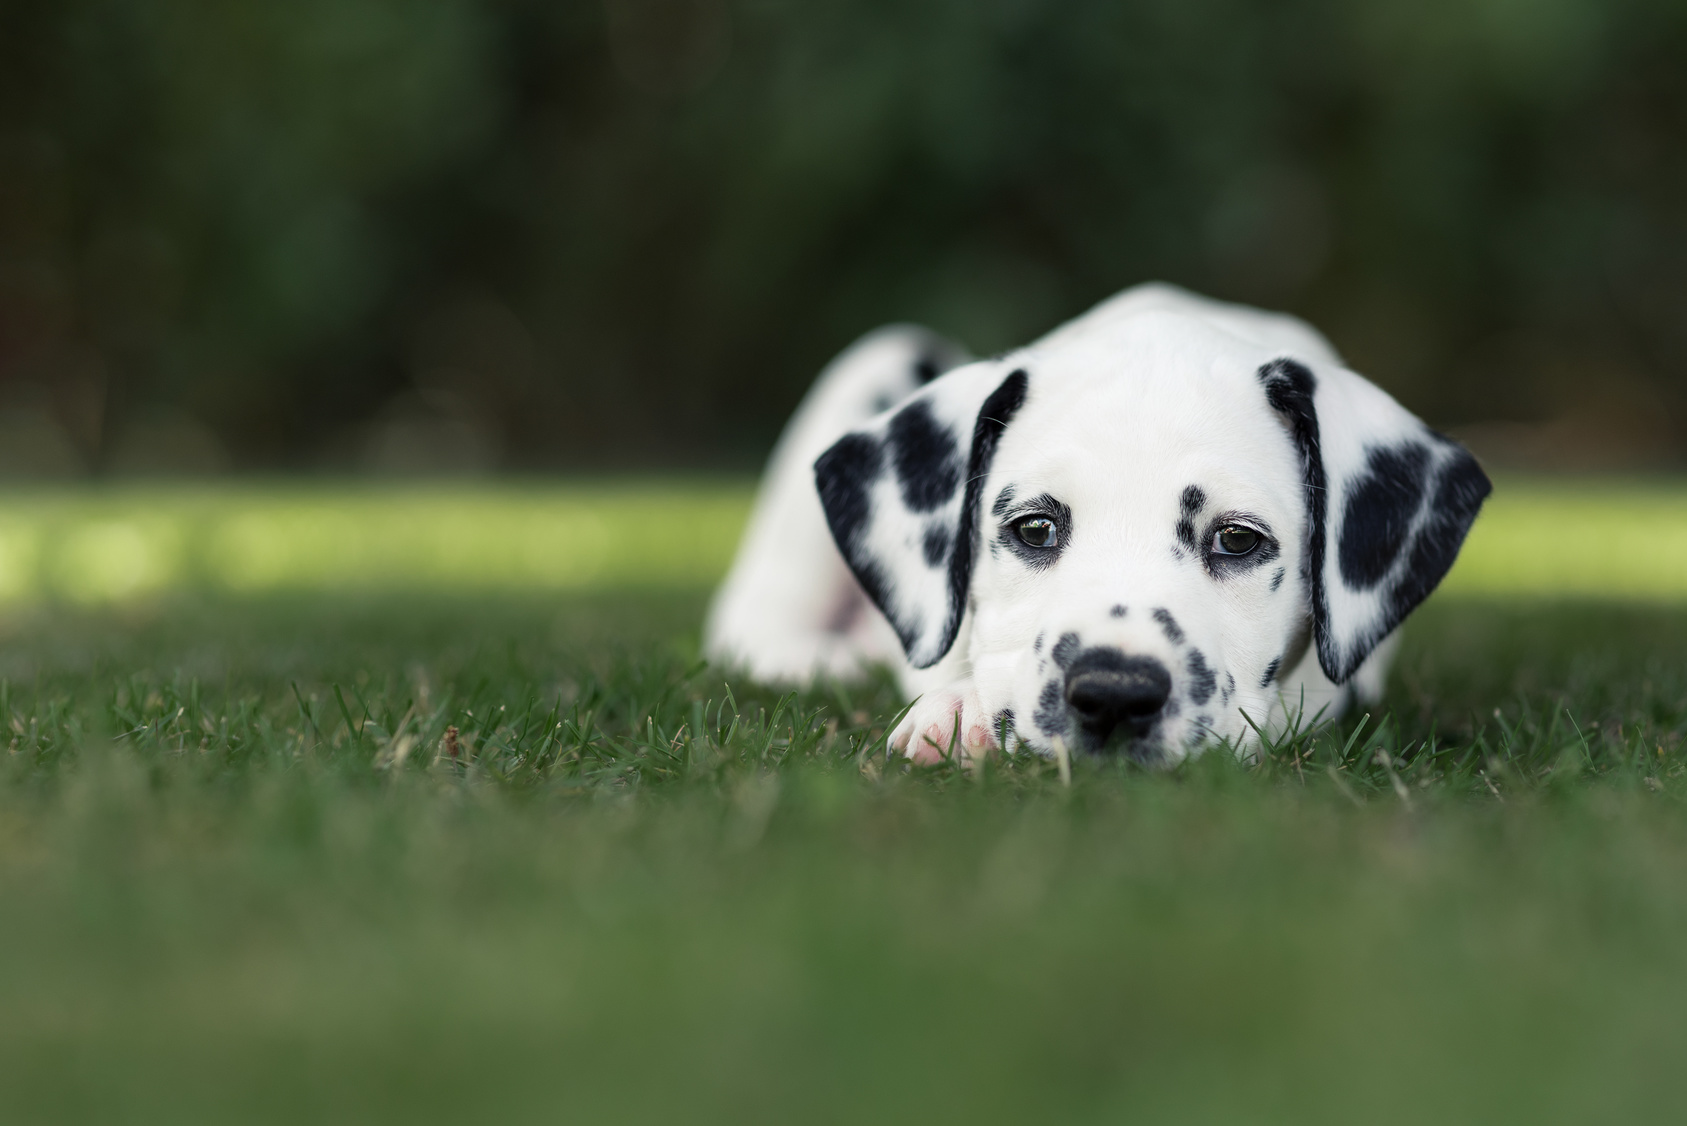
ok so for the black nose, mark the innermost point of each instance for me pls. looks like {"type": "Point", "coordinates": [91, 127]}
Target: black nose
{"type": "Point", "coordinates": [1109, 692]}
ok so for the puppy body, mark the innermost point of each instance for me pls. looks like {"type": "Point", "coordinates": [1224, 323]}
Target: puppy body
{"type": "Point", "coordinates": [1165, 519]}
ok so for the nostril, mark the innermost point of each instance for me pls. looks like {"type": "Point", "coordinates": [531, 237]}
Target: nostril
{"type": "Point", "coordinates": [1106, 689]}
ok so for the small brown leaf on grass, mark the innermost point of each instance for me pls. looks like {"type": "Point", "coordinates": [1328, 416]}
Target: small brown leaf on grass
{"type": "Point", "coordinates": [448, 746]}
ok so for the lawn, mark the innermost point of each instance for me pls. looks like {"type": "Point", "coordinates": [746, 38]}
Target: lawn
{"type": "Point", "coordinates": [353, 805]}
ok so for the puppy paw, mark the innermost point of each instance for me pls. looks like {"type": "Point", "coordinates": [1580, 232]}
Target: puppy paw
{"type": "Point", "coordinates": [945, 723]}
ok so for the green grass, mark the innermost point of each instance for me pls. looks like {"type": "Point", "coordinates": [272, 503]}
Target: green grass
{"type": "Point", "coordinates": [1597, 538]}
{"type": "Point", "coordinates": [125, 543]}
{"type": "Point", "coordinates": [242, 880]}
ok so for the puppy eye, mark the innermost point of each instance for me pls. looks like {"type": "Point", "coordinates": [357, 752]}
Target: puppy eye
{"type": "Point", "coordinates": [1234, 539]}
{"type": "Point", "coordinates": [1037, 531]}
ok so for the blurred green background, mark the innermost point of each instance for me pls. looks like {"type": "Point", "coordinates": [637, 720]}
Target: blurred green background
{"type": "Point", "coordinates": [333, 798]}
{"type": "Point", "coordinates": [472, 235]}
{"type": "Point", "coordinates": [1612, 539]}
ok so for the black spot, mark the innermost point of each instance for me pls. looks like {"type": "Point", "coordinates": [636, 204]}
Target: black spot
{"type": "Point", "coordinates": [1051, 710]}
{"type": "Point", "coordinates": [1193, 501]}
{"type": "Point", "coordinates": [844, 475]}
{"type": "Point", "coordinates": [1229, 686]}
{"type": "Point", "coordinates": [1459, 493]}
{"type": "Point", "coordinates": [1038, 646]}
{"type": "Point", "coordinates": [1004, 501]}
{"type": "Point", "coordinates": [1003, 726]}
{"type": "Point", "coordinates": [1116, 612]}
{"type": "Point", "coordinates": [1277, 579]}
{"type": "Point", "coordinates": [1270, 672]}
{"type": "Point", "coordinates": [1202, 681]}
{"type": "Point", "coordinates": [927, 460]}
{"type": "Point", "coordinates": [937, 543]}
{"type": "Point", "coordinates": [927, 368]}
{"type": "Point", "coordinates": [1065, 649]}
{"type": "Point", "coordinates": [1378, 515]}
{"type": "Point", "coordinates": [882, 403]}
{"type": "Point", "coordinates": [1169, 626]}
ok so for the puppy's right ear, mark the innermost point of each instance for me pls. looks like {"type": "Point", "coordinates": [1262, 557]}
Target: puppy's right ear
{"type": "Point", "coordinates": [901, 496]}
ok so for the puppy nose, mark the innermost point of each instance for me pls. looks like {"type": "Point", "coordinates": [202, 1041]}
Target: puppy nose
{"type": "Point", "coordinates": [1108, 691]}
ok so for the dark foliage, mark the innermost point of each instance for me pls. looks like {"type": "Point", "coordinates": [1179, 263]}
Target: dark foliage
{"type": "Point", "coordinates": [510, 232]}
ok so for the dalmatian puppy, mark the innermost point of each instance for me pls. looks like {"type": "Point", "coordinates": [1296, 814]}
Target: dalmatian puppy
{"type": "Point", "coordinates": [1164, 523]}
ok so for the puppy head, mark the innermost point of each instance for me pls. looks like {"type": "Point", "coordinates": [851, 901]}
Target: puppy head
{"type": "Point", "coordinates": [1146, 526]}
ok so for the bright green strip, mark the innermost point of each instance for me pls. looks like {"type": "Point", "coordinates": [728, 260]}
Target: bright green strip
{"type": "Point", "coordinates": [1595, 539]}
{"type": "Point", "coordinates": [100, 546]}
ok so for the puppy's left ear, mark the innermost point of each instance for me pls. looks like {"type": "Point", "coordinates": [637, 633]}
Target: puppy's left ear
{"type": "Point", "coordinates": [901, 496]}
{"type": "Point", "coordinates": [1389, 502]}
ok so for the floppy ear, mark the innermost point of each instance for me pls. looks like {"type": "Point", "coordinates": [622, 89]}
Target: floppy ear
{"type": "Point", "coordinates": [901, 498]}
{"type": "Point", "coordinates": [1389, 501]}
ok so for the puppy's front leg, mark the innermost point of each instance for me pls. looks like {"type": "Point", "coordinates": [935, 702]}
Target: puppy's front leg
{"type": "Point", "coordinates": [945, 722]}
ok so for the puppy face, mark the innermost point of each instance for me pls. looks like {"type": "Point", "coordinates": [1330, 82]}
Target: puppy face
{"type": "Point", "coordinates": [1140, 576]}
{"type": "Point", "coordinates": [1135, 532]}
